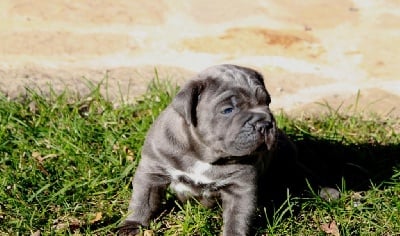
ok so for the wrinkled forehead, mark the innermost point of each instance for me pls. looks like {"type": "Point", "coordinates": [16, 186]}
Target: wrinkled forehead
{"type": "Point", "coordinates": [230, 75]}
{"type": "Point", "coordinates": [228, 80]}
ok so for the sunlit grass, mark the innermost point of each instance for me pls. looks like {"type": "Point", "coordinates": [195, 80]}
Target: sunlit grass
{"type": "Point", "coordinates": [66, 163]}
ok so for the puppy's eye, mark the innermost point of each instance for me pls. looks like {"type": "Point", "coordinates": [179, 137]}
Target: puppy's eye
{"type": "Point", "coordinates": [227, 110]}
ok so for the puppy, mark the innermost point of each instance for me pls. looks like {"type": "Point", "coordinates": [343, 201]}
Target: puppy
{"type": "Point", "coordinates": [213, 142]}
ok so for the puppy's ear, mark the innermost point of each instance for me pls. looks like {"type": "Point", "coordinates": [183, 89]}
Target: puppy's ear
{"type": "Point", "coordinates": [256, 76]}
{"type": "Point", "coordinates": [187, 99]}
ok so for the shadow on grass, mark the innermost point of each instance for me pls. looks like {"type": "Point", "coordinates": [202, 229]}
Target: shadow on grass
{"type": "Point", "coordinates": [359, 165]}
{"type": "Point", "coordinates": [354, 167]}
{"type": "Point", "coordinates": [333, 164]}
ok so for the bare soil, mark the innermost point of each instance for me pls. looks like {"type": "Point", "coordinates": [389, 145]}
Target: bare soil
{"type": "Point", "coordinates": [339, 53]}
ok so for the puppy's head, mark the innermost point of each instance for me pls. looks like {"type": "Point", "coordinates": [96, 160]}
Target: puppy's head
{"type": "Point", "coordinates": [227, 107]}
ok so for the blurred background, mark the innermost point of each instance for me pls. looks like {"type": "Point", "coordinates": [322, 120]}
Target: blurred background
{"type": "Point", "coordinates": [342, 53]}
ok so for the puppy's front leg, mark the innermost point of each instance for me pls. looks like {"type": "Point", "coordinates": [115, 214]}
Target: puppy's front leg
{"type": "Point", "coordinates": [148, 189]}
{"type": "Point", "coordinates": [239, 205]}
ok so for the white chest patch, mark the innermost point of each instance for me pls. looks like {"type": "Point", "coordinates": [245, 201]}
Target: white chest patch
{"type": "Point", "coordinates": [197, 175]}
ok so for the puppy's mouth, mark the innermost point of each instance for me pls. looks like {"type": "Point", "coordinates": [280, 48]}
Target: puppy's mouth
{"type": "Point", "coordinates": [267, 129]}
{"type": "Point", "coordinates": [259, 137]}
{"type": "Point", "coordinates": [264, 140]}
{"type": "Point", "coordinates": [269, 141]}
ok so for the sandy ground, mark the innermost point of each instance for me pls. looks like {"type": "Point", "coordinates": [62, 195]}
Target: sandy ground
{"type": "Point", "coordinates": [313, 52]}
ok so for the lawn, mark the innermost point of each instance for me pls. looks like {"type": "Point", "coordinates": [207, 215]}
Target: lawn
{"type": "Point", "coordinates": [66, 163]}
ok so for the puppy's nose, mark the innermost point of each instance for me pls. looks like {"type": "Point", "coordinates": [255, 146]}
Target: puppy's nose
{"type": "Point", "coordinates": [263, 126]}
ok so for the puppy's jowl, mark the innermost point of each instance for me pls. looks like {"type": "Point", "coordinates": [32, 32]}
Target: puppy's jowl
{"type": "Point", "coordinates": [213, 143]}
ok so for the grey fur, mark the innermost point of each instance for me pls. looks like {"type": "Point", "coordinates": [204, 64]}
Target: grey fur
{"type": "Point", "coordinates": [213, 142]}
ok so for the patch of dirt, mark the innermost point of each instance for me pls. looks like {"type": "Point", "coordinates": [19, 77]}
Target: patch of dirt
{"type": "Point", "coordinates": [315, 14]}
{"type": "Point", "coordinates": [309, 51]}
{"type": "Point", "coordinates": [125, 83]}
{"type": "Point", "coordinates": [257, 41]}
{"type": "Point", "coordinates": [95, 12]}
{"type": "Point", "coordinates": [70, 45]}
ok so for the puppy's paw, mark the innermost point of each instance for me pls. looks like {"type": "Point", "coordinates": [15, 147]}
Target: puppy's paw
{"type": "Point", "coordinates": [129, 228]}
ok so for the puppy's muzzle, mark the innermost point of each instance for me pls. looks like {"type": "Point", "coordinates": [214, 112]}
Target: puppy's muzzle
{"type": "Point", "coordinates": [264, 123]}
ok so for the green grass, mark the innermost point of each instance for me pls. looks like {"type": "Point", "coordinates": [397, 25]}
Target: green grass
{"type": "Point", "coordinates": [66, 163]}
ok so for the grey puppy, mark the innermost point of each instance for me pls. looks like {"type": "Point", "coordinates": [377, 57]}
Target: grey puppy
{"type": "Point", "coordinates": [213, 142]}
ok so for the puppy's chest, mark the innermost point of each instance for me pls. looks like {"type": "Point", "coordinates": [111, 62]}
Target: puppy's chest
{"type": "Point", "coordinates": [200, 180]}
